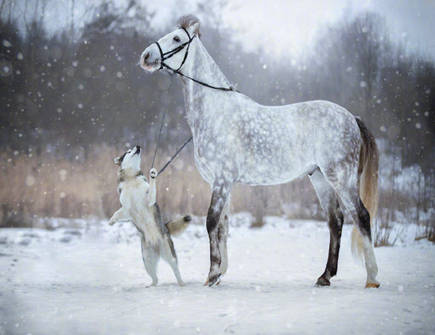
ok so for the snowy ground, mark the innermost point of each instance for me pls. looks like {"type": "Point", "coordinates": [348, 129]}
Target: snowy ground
{"type": "Point", "coordinates": [92, 281]}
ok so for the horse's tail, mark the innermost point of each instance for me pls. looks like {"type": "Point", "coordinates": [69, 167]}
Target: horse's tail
{"type": "Point", "coordinates": [368, 175]}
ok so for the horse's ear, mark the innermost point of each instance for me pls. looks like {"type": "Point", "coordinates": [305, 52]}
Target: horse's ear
{"type": "Point", "coordinates": [194, 28]}
{"type": "Point", "coordinates": [191, 23]}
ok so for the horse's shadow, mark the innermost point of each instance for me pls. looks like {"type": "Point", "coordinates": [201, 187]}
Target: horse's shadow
{"type": "Point", "coordinates": [240, 286]}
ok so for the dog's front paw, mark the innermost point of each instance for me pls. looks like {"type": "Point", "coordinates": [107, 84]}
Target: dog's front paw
{"type": "Point", "coordinates": [153, 173]}
{"type": "Point", "coordinates": [111, 222]}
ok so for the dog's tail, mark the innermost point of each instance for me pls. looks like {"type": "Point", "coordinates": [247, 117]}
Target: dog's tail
{"type": "Point", "coordinates": [176, 227]}
{"type": "Point", "coordinates": [368, 171]}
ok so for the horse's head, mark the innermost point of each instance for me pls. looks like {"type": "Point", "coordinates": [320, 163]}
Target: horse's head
{"type": "Point", "coordinates": [172, 49]}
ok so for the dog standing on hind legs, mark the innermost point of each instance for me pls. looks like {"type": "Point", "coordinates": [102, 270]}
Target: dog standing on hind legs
{"type": "Point", "coordinates": [139, 205]}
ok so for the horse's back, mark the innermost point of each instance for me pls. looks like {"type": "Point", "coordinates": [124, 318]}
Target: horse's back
{"type": "Point", "coordinates": [284, 142]}
{"type": "Point", "coordinates": [263, 145]}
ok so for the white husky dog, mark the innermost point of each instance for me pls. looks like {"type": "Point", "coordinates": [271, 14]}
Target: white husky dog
{"type": "Point", "coordinates": [138, 205]}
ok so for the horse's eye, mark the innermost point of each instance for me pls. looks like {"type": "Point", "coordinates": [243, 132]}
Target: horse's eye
{"type": "Point", "coordinates": [176, 39]}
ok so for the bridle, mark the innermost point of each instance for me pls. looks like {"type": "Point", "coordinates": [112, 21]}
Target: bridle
{"type": "Point", "coordinates": [166, 55]}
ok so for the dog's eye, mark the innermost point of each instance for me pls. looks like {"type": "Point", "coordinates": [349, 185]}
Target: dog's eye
{"type": "Point", "coordinates": [176, 39]}
{"type": "Point", "coordinates": [128, 151]}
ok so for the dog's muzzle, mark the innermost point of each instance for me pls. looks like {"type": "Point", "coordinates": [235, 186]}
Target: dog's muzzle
{"type": "Point", "coordinates": [137, 150]}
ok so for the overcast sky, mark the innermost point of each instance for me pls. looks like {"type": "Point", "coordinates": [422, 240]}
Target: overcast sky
{"type": "Point", "coordinates": [288, 27]}
{"type": "Point", "coordinates": [292, 25]}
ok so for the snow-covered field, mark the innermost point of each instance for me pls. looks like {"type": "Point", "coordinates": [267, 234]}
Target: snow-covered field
{"type": "Point", "coordinates": [91, 281]}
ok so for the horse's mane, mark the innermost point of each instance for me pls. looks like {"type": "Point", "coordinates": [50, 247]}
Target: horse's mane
{"type": "Point", "coordinates": [186, 21]}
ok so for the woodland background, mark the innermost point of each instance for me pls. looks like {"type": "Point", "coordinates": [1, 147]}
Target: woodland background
{"type": "Point", "coordinates": [73, 99]}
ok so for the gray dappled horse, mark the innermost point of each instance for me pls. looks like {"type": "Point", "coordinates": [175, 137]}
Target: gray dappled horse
{"type": "Point", "coordinates": [237, 140]}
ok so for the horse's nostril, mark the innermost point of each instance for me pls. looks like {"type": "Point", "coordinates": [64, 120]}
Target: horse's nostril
{"type": "Point", "coordinates": [147, 55]}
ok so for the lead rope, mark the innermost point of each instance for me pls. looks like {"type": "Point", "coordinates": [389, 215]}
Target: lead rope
{"type": "Point", "coordinates": [174, 155]}
{"type": "Point", "coordinates": [158, 139]}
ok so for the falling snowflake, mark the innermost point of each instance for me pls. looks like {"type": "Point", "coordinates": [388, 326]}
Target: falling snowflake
{"type": "Point", "coordinates": [62, 174]}
{"type": "Point", "coordinates": [30, 180]}
{"type": "Point", "coordinates": [362, 84]}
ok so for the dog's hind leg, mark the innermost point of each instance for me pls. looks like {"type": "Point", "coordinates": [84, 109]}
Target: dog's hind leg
{"type": "Point", "coordinates": [150, 259]}
{"type": "Point", "coordinates": [329, 202]}
{"type": "Point", "coordinates": [169, 255]}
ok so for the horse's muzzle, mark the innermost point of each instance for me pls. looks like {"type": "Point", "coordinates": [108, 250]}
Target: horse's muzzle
{"type": "Point", "coordinates": [149, 60]}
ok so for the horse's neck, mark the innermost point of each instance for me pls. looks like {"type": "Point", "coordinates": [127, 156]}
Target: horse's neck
{"type": "Point", "coordinates": [200, 66]}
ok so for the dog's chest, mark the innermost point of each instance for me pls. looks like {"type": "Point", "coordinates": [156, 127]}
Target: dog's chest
{"type": "Point", "coordinates": [134, 198]}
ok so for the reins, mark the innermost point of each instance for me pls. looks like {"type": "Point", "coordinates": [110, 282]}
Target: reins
{"type": "Point", "coordinates": [166, 55]}
{"type": "Point", "coordinates": [158, 139]}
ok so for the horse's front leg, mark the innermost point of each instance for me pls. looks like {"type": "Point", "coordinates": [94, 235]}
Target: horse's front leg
{"type": "Point", "coordinates": [220, 196]}
{"type": "Point", "coordinates": [223, 236]}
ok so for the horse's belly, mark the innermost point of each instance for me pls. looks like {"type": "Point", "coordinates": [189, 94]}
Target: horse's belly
{"type": "Point", "coordinates": [202, 165]}
{"type": "Point", "coordinates": [253, 169]}
{"type": "Point", "coordinates": [270, 175]}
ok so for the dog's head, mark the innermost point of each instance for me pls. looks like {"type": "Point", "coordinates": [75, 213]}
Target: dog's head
{"type": "Point", "coordinates": [130, 159]}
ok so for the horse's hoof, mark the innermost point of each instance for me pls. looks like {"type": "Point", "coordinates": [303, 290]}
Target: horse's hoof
{"type": "Point", "coordinates": [323, 282]}
{"type": "Point", "coordinates": [214, 280]}
{"type": "Point", "coordinates": [372, 285]}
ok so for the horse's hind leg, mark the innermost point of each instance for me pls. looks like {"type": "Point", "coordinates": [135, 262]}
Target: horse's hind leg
{"type": "Point", "coordinates": [347, 188]}
{"type": "Point", "coordinates": [329, 202]}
